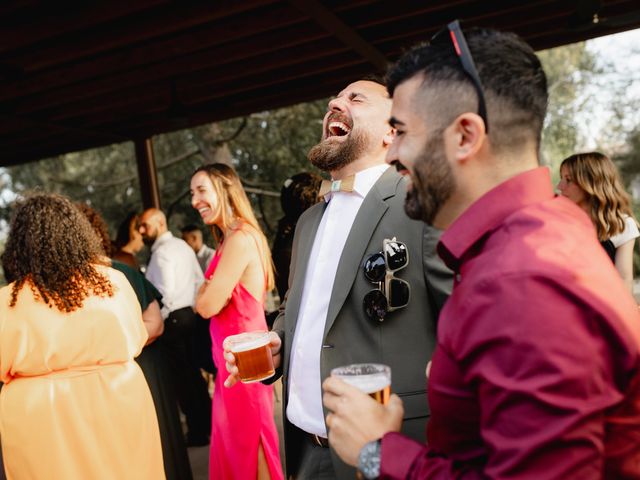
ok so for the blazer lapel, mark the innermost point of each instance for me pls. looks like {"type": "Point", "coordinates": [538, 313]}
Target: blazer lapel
{"type": "Point", "coordinates": [372, 209]}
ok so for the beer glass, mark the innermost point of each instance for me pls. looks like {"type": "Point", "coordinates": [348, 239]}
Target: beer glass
{"type": "Point", "coordinates": [253, 356]}
{"type": "Point", "coordinates": [371, 378]}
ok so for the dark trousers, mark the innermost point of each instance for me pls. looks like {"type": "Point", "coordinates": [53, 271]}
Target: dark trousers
{"type": "Point", "coordinates": [315, 463]}
{"type": "Point", "coordinates": [191, 389]}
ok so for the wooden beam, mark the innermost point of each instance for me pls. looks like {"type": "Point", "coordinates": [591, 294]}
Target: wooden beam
{"type": "Point", "coordinates": [147, 174]}
{"type": "Point", "coordinates": [60, 127]}
{"type": "Point", "coordinates": [239, 58]}
{"type": "Point", "coordinates": [134, 29]}
{"type": "Point", "coordinates": [165, 51]}
{"type": "Point", "coordinates": [109, 94]}
{"type": "Point", "coordinates": [46, 20]}
{"type": "Point", "coordinates": [346, 34]}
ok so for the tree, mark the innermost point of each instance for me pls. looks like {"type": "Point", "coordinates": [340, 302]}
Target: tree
{"type": "Point", "coordinates": [569, 69]}
{"type": "Point", "coordinates": [101, 177]}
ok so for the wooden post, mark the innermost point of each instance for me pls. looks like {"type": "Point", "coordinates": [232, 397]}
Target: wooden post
{"type": "Point", "coordinates": [147, 175]}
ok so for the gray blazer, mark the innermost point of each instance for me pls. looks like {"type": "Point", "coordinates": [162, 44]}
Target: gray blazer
{"type": "Point", "coordinates": [404, 340]}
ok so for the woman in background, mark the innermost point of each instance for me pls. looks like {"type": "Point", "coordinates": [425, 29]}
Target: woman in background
{"type": "Point", "coordinates": [244, 440]}
{"type": "Point", "coordinates": [591, 180]}
{"type": "Point", "coordinates": [74, 403]}
{"type": "Point", "coordinates": [128, 242]}
{"type": "Point", "coordinates": [296, 195]}
{"type": "Point", "coordinates": [152, 359]}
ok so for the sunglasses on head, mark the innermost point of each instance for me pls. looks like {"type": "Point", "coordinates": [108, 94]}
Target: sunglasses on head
{"type": "Point", "coordinates": [454, 31]}
{"type": "Point", "coordinates": [392, 293]}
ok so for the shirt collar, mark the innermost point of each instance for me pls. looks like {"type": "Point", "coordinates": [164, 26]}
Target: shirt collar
{"type": "Point", "coordinates": [160, 239]}
{"type": "Point", "coordinates": [363, 181]}
{"type": "Point", "coordinates": [489, 212]}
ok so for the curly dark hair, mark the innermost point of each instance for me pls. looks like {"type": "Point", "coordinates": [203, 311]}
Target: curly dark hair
{"type": "Point", "coordinates": [52, 248]}
{"type": "Point", "coordinates": [99, 227]}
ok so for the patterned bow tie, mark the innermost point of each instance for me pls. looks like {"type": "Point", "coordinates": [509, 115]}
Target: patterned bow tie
{"type": "Point", "coordinates": [344, 185]}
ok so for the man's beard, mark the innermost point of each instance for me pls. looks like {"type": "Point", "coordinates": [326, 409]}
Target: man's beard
{"type": "Point", "coordinates": [329, 156]}
{"type": "Point", "coordinates": [433, 182]}
{"type": "Point", "coordinates": [149, 239]}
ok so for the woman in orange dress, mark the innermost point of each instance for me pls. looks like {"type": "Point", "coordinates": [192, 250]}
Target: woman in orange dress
{"type": "Point", "coordinates": [75, 405]}
{"type": "Point", "coordinates": [244, 440]}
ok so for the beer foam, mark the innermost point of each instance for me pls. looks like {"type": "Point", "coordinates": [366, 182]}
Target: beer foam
{"type": "Point", "coordinates": [250, 344]}
{"type": "Point", "coordinates": [367, 383]}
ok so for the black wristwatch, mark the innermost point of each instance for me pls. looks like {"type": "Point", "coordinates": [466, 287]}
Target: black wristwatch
{"type": "Point", "coordinates": [369, 460]}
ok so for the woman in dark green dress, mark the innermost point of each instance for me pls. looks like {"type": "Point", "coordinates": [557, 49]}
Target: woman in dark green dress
{"type": "Point", "coordinates": [152, 361]}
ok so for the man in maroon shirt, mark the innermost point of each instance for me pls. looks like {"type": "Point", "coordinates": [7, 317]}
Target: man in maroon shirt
{"type": "Point", "coordinates": [536, 373]}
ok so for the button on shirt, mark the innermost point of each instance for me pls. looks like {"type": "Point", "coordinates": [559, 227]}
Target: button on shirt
{"type": "Point", "coordinates": [536, 370]}
{"type": "Point", "coordinates": [174, 270]}
{"type": "Point", "coordinates": [304, 408]}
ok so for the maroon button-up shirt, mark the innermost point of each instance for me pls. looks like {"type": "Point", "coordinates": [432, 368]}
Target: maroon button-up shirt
{"type": "Point", "coordinates": [536, 370]}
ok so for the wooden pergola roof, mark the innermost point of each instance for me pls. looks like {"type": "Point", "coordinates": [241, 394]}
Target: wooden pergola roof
{"type": "Point", "coordinates": [75, 75]}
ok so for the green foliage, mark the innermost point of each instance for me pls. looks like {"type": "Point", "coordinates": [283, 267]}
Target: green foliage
{"type": "Point", "coordinates": [628, 160]}
{"type": "Point", "coordinates": [105, 178]}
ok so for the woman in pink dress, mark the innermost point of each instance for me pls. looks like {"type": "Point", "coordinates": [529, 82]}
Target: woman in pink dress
{"type": "Point", "coordinates": [233, 295]}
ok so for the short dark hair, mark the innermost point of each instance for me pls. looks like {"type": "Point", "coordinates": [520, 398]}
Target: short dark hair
{"type": "Point", "coordinates": [512, 77]}
{"type": "Point", "coordinates": [123, 235]}
{"type": "Point", "coordinates": [192, 227]}
{"type": "Point", "coordinates": [375, 78]}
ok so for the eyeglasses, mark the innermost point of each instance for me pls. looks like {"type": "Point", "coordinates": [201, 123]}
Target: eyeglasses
{"type": "Point", "coordinates": [392, 293]}
{"type": "Point", "coordinates": [468, 65]}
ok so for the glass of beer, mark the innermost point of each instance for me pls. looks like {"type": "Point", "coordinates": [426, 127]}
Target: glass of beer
{"type": "Point", "coordinates": [253, 356]}
{"type": "Point", "coordinates": [372, 378]}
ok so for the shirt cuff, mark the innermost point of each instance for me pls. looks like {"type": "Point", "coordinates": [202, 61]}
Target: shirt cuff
{"type": "Point", "coordinates": [398, 455]}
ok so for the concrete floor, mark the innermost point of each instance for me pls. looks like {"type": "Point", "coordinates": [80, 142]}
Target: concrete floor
{"type": "Point", "coordinates": [199, 456]}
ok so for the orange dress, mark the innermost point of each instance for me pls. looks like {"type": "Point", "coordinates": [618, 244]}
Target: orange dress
{"type": "Point", "coordinates": [75, 405]}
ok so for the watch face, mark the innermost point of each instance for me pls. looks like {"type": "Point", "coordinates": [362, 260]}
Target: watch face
{"type": "Point", "coordinates": [369, 460]}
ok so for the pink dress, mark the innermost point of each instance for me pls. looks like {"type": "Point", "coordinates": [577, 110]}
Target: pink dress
{"type": "Point", "coordinates": [242, 416]}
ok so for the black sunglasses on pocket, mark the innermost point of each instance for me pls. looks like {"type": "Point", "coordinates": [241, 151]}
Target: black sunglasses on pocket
{"type": "Point", "coordinates": [392, 292]}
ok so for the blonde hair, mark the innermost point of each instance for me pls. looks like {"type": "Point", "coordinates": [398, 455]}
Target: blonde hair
{"type": "Point", "coordinates": [234, 204]}
{"type": "Point", "coordinates": [609, 203]}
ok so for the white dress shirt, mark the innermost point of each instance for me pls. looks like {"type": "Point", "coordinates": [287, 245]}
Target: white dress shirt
{"type": "Point", "coordinates": [174, 270]}
{"type": "Point", "coordinates": [304, 408]}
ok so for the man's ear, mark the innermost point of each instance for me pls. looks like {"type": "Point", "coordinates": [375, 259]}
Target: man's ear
{"type": "Point", "coordinates": [388, 137]}
{"type": "Point", "coordinates": [468, 135]}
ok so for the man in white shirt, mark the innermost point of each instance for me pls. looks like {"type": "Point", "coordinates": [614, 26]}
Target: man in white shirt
{"type": "Point", "coordinates": [323, 322]}
{"type": "Point", "coordinates": [174, 270]}
{"type": "Point", "coordinates": [193, 236]}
